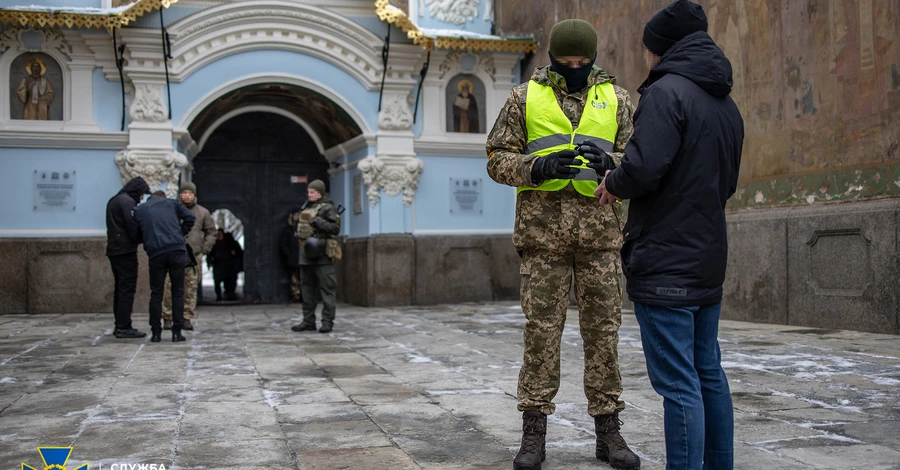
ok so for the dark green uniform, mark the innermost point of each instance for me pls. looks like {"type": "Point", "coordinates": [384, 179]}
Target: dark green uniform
{"type": "Point", "coordinates": [320, 220]}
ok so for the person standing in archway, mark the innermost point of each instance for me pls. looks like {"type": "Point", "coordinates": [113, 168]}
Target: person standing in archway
{"type": "Point", "coordinates": [290, 252]}
{"type": "Point", "coordinates": [200, 241]}
{"type": "Point", "coordinates": [319, 224]}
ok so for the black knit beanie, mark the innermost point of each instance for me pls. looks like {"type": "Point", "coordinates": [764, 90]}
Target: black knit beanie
{"type": "Point", "coordinates": [573, 38]}
{"type": "Point", "coordinates": [672, 23]}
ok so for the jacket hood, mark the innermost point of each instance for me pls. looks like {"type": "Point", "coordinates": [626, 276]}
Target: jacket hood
{"type": "Point", "coordinates": [136, 188]}
{"type": "Point", "coordinates": [544, 76]}
{"type": "Point", "coordinates": [700, 60]}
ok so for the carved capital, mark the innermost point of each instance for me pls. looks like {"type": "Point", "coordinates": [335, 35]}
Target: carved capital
{"type": "Point", "coordinates": [453, 11]}
{"type": "Point", "coordinates": [392, 175]}
{"type": "Point", "coordinates": [147, 104]}
{"type": "Point", "coordinates": [395, 114]}
{"type": "Point", "coordinates": [155, 166]}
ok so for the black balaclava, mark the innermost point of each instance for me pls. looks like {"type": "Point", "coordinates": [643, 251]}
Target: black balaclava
{"type": "Point", "coordinates": [576, 79]}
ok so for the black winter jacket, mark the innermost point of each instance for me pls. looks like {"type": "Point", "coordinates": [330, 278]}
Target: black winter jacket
{"type": "Point", "coordinates": [679, 169]}
{"type": "Point", "coordinates": [163, 224]}
{"type": "Point", "coordinates": [122, 234]}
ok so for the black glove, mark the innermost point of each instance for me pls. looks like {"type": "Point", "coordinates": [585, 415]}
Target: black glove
{"type": "Point", "coordinates": [598, 159]}
{"type": "Point", "coordinates": [555, 166]}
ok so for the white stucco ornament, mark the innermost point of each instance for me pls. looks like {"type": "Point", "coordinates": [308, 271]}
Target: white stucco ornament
{"type": "Point", "coordinates": [148, 105]}
{"type": "Point", "coordinates": [395, 114]}
{"type": "Point", "coordinates": [155, 166]}
{"type": "Point", "coordinates": [453, 11]}
{"type": "Point", "coordinates": [392, 175]}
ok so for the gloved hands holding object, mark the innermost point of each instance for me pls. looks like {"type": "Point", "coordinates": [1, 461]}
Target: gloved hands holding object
{"type": "Point", "coordinates": [556, 165]}
{"type": "Point", "coordinates": [597, 158]}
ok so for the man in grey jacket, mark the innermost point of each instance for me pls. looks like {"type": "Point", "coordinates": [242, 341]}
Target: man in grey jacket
{"type": "Point", "coordinates": [163, 225]}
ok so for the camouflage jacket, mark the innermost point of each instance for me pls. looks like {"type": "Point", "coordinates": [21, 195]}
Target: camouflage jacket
{"type": "Point", "coordinates": [319, 219]}
{"type": "Point", "coordinates": [559, 221]}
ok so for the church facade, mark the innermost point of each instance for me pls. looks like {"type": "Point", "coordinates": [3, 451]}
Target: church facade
{"type": "Point", "coordinates": [388, 103]}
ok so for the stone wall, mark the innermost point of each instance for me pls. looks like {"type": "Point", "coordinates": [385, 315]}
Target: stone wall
{"type": "Point", "coordinates": [818, 83]}
{"type": "Point", "coordinates": [61, 275]}
{"type": "Point", "coordinates": [834, 266]}
{"type": "Point", "coordinates": [403, 269]}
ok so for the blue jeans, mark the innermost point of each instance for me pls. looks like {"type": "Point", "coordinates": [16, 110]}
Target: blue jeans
{"type": "Point", "coordinates": [684, 363]}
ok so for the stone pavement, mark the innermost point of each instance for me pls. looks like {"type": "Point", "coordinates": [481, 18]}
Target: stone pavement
{"type": "Point", "coordinates": [408, 388]}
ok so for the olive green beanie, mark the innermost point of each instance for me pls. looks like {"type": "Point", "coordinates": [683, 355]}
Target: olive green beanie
{"type": "Point", "coordinates": [318, 185]}
{"type": "Point", "coordinates": [573, 38]}
{"type": "Point", "coordinates": [188, 186]}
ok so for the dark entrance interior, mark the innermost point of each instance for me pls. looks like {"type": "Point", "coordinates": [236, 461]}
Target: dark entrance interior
{"type": "Point", "coordinates": [246, 166]}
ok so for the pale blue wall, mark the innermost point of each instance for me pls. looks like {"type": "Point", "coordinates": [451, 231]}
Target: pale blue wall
{"type": "Point", "coordinates": [433, 197]}
{"type": "Point", "coordinates": [97, 180]}
{"type": "Point", "coordinates": [171, 15]}
{"type": "Point", "coordinates": [357, 224]}
{"type": "Point", "coordinates": [479, 25]}
{"type": "Point", "coordinates": [108, 102]}
{"type": "Point", "coordinates": [227, 69]}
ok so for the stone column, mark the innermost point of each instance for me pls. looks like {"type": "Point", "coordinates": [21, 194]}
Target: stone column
{"type": "Point", "coordinates": [394, 168]}
{"type": "Point", "coordinates": [149, 153]}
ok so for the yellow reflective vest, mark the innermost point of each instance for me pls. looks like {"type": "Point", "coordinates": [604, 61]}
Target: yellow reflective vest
{"type": "Point", "coordinates": [549, 130]}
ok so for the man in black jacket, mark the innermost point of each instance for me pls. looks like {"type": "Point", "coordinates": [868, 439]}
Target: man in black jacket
{"type": "Point", "coordinates": [122, 240]}
{"type": "Point", "coordinates": [679, 170]}
{"type": "Point", "coordinates": [164, 223]}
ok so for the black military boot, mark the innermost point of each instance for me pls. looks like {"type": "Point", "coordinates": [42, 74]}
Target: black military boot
{"type": "Point", "coordinates": [611, 447]}
{"type": "Point", "coordinates": [326, 327]}
{"type": "Point", "coordinates": [533, 451]}
{"type": "Point", "coordinates": [304, 327]}
{"type": "Point", "coordinates": [176, 335]}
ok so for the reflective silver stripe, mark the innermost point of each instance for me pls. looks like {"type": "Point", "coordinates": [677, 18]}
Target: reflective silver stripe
{"type": "Point", "coordinates": [547, 142]}
{"type": "Point", "coordinates": [602, 143]}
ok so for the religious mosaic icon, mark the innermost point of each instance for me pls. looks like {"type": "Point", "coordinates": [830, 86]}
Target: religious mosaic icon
{"type": "Point", "coordinates": [467, 117]}
{"type": "Point", "coordinates": [36, 79]}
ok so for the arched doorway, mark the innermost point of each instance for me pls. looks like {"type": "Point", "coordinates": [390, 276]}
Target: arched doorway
{"type": "Point", "coordinates": [259, 147]}
{"type": "Point", "coordinates": [256, 166]}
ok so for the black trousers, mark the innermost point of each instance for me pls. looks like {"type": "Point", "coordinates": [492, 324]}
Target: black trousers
{"type": "Point", "coordinates": [230, 286]}
{"type": "Point", "coordinates": [171, 263]}
{"type": "Point", "coordinates": [125, 274]}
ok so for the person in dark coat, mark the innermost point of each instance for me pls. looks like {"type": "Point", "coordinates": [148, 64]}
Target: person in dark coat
{"type": "Point", "coordinates": [122, 240]}
{"type": "Point", "coordinates": [289, 243]}
{"type": "Point", "coordinates": [678, 171]}
{"type": "Point", "coordinates": [224, 260]}
{"type": "Point", "coordinates": [164, 224]}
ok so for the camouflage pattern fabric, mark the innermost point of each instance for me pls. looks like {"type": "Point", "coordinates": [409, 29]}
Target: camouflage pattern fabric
{"type": "Point", "coordinates": [558, 219]}
{"type": "Point", "coordinates": [191, 281]}
{"type": "Point", "coordinates": [296, 287]}
{"type": "Point", "coordinates": [546, 278]}
{"type": "Point", "coordinates": [561, 234]}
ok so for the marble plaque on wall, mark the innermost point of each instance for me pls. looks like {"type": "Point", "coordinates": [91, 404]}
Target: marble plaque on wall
{"type": "Point", "coordinates": [54, 190]}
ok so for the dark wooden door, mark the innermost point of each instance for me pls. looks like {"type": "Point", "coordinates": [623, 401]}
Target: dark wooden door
{"type": "Point", "coordinates": [246, 166]}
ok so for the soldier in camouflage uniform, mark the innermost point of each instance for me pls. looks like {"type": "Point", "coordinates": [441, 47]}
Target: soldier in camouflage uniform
{"type": "Point", "coordinates": [564, 233]}
{"type": "Point", "coordinates": [318, 227]}
{"type": "Point", "coordinates": [201, 239]}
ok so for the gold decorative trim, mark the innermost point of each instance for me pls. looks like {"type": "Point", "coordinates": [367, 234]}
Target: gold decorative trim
{"type": "Point", "coordinates": [61, 19]}
{"type": "Point", "coordinates": [395, 16]}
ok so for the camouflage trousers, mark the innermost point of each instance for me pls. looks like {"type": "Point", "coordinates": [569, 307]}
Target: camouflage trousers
{"type": "Point", "coordinates": [296, 286]}
{"type": "Point", "coordinates": [191, 280]}
{"type": "Point", "coordinates": [546, 280]}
